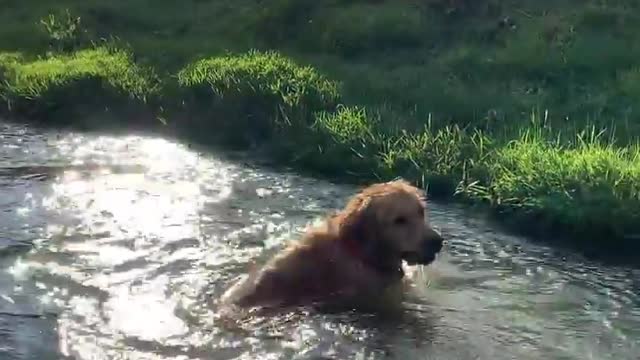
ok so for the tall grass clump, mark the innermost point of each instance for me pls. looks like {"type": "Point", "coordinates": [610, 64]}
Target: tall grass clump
{"type": "Point", "coordinates": [8, 64]}
{"type": "Point", "coordinates": [90, 77]}
{"type": "Point", "coordinates": [344, 142]}
{"type": "Point", "coordinates": [439, 158]}
{"type": "Point", "coordinates": [64, 30]}
{"type": "Point", "coordinates": [587, 189]}
{"type": "Point", "coordinates": [355, 142]}
{"type": "Point", "coordinates": [249, 96]}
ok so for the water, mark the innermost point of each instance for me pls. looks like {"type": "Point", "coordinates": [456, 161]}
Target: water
{"type": "Point", "coordinates": [114, 247]}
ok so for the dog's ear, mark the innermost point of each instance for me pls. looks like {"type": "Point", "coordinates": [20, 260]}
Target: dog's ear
{"type": "Point", "coordinates": [358, 223]}
{"type": "Point", "coordinates": [355, 220]}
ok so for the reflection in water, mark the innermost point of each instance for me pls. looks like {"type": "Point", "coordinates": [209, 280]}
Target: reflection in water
{"type": "Point", "coordinates": [134, 238]}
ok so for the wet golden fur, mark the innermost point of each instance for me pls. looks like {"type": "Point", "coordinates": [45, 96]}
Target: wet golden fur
{"type": "Point", "coordinates": [384, 222]}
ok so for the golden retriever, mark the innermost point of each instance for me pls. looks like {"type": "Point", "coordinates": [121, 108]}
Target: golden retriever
{"type": "Point", "coordinates": [354, 257]}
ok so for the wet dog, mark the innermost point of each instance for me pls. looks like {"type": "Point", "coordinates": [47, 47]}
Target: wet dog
{"type": "Point", "coordinates": [355, 257]}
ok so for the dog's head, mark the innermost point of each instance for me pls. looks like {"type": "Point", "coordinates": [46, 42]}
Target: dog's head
{"type": "Point", "coordinates": [387, 221]}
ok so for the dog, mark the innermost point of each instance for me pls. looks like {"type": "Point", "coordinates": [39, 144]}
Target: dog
{"type": "Point", "coordinates": [355, 257]}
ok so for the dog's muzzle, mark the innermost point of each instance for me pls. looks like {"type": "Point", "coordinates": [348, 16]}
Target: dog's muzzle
{"type": "Point", "coordinates": [433, 243]}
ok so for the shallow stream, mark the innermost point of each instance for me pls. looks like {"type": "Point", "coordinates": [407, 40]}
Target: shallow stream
{"type": "Point", "coordinates": [113, 247]}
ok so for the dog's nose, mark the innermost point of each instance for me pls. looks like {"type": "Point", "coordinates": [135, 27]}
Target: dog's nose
{"type": "Point", "coordinates": [439, 242]}
{"type": "Point", "coordinates": [434, 241]}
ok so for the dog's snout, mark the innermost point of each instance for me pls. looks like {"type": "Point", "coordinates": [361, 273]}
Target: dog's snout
{"type": "Point", "coordinates": [432, 244]}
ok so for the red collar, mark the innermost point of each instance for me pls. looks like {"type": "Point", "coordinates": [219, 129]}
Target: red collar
{"type": "Point", "coordinates": [354, 249]}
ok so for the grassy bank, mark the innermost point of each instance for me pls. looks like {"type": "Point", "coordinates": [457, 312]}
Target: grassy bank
{"type": "Point", "coordinates": [444, 93]}
{"type": "Point", "coordinates": [484, 63]}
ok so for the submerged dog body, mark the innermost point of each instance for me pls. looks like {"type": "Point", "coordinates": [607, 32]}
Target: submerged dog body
{"type": "Point", "coordinates": [355, 255]}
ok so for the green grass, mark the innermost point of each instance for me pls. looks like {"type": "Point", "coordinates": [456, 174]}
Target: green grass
{"type": "Point", "coordinates": [589, 189]}
{"type": "Point", "coordinates": [457, 60]}
{"type": "Point", "coordinates": [34, 79]}
{"type": "Point", "coordinates": [440, 92]}
{"type": "Point", "coordinates": [41, 86]}
{"type": "Point", "coordinates": [267, 78]}
{"type": "Point", "coordinates": [257, 94]}
{"type": "Point", "coordinates": [586, 188]}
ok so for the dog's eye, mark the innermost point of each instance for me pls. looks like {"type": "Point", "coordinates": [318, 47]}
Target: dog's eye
{"type": "Point", "coordinates": [400, 220]}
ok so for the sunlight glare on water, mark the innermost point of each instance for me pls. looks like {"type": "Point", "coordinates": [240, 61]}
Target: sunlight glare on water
{"type": "Point", "coordinates": [135, 237]}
